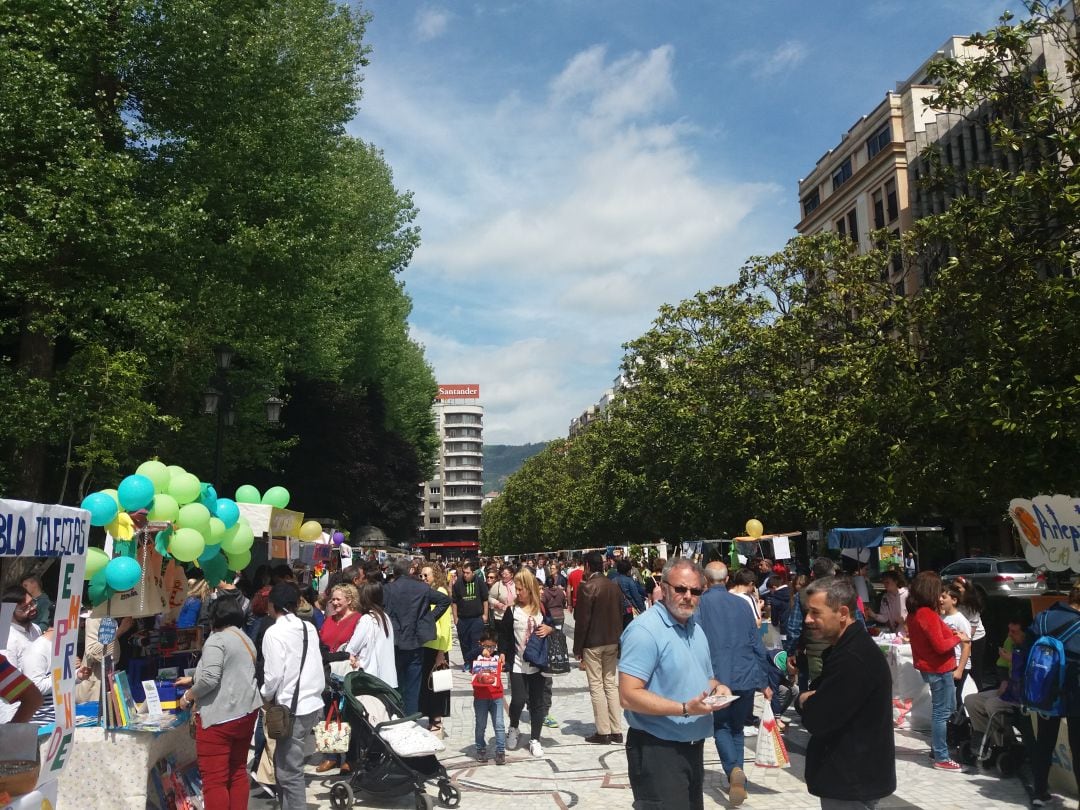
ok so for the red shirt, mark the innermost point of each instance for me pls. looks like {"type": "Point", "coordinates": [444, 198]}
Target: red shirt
{"type": "Point", "coordinates": [573, 579]}
{"type": "Point", "coordinates": [336, 632]}
{"type": "Point", "coordinates": [932, 642]}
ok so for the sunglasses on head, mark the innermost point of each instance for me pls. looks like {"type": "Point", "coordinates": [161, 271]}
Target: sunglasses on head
{"type": "Point", "coordinates": [682, 590]}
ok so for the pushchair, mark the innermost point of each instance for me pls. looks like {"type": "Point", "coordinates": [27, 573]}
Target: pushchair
{"type": "Point", "coordinates": [374, 712]}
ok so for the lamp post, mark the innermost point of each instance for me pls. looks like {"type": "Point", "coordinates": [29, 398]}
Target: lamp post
{"type": "Point", "coordinates": [218, 401]}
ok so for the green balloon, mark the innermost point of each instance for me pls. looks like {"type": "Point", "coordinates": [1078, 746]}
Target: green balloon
{"type": "Point", "coordinates": [216, 532]}
{"type": "Point", "coordinates": [238, 562]}
{"type": "Point", "coordinates": [157, 472]}
{"type": "Point", "coordinates": [185, 487]}
{"type": "Point", "coordinates": [164, 509]}
{"type": "Point", "coordinates": [247, 494]}
{"type": "Point", "coordinates": [195, 516]}
{"type": "Point", "coordinates": [214, 569]}
{"type": "Point", "coordinates": [276, 496]}
{"type": "Point", "coordinates": [238, 539]}
{"type": "Point", "coordinates": [96, 560]}
{"type": "Point", "coordinates": [186, 545]}
{"type": "Point", "coordinates": [99, 589]}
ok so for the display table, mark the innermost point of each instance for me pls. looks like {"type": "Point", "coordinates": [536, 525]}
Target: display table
{"type": "Point", "coordinates": [108, 768]}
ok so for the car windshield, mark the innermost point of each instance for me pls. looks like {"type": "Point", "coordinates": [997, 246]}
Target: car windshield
{"type": "Point", "coordinates": [1014, 567]}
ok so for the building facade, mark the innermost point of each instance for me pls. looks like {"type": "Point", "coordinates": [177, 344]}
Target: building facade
{"type": "Point", "coordinates": [450, 503]}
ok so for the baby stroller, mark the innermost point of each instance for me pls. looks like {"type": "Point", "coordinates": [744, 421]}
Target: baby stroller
{"type": "Point", "coordinates": [373, 710]}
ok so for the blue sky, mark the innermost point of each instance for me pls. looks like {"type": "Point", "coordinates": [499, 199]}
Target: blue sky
{"type": "Point", "coordinates": [578, 163]}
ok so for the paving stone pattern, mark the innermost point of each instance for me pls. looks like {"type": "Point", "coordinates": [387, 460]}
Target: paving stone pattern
{"type": "Point", "coordinates": [573, 773]}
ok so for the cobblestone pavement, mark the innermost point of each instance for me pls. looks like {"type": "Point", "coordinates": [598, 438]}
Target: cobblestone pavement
{"type": "Point", "coordinates": [573, 773]}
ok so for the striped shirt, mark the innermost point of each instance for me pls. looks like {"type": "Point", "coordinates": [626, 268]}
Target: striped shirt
{"type": "Point", "coordinates": [12, 682]}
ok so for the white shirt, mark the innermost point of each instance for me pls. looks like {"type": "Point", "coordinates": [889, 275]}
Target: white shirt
{"type": "Point", "coordinates": [862, 588]}
{"type": "Point", "coordinates": [281, 647]}
{"type": "Point", "coordinates": [374, 648]}
{"type": "Point", "coordinates": [752, 602]}
{"type": "Point", "coordinates": [957, 622]}
{"type": "Point", "coordinates": [37, 664]}
{"type": "Point", "coordinates": [19, 640]}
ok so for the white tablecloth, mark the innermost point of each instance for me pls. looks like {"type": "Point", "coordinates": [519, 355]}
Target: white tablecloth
{"type": "Point", "coordinates": [108, 769]}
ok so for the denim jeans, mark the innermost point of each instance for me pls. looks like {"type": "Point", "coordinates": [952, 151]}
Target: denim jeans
{"type": "Point", "coordinates": [468, 631]}
{"type": "Point", "coordinates": [728, 725]}
{"type": "Point", "coordinates": [410, 665]}
{"type": "Point", "coordinates": [485, 708]}
{"type": "Point", "coordinates": [943, 701]}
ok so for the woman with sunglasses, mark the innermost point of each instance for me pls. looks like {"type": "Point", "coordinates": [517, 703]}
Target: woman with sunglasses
{"type": "Point", "coordinates": [436, 705]}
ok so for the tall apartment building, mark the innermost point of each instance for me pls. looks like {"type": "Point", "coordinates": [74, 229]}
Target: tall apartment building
{"type": "Point", "coordinates": [451, 501]}
{"type": "Point", "coordinates": [600, 411]}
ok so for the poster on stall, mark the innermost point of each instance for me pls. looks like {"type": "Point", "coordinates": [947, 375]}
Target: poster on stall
{"type": "Point", "coordinates": [1049, 528]}
{"type": "Point", "coordinates": [60, 532]}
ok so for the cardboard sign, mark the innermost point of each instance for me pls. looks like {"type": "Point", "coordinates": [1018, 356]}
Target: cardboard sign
{"type": "Point", "coordinates": [1049, 526]}
{"type": "Point", "coordinates": [40, 530]}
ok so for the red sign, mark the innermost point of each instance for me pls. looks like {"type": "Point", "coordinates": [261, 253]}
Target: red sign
{"type": "Point", "coordinates": [466, 391]}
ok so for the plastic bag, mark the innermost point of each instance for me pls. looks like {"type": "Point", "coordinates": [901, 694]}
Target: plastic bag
{"type": "Point", "coordinates": [771, 750]}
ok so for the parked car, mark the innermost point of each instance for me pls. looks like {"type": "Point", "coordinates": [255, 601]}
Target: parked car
{"type": "Point", "coordinates": [1006, 576]}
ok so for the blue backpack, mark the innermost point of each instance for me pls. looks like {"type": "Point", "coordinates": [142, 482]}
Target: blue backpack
{"type": "Point", "coordinates": [1044, 684]}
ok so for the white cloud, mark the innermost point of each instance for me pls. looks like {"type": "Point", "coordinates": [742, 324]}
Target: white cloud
{"type": "Point", "coordinates": [769, 64]}
{"type": "Point", "coordinates": [431, 23]}
{"type": "Point", "coordinates": [556, 218]}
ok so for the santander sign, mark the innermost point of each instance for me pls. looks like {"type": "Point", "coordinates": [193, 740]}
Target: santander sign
{"type": "Point", "coordinates": [460, 391]}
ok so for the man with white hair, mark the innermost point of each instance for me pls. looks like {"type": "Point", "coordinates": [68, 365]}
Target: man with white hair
{"type": "Point", "coordinates": [665, 679]}
{"type": "Point", "coordinates": [716, 574]}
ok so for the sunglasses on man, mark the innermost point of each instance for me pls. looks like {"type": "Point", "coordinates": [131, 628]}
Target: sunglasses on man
{"type": "Point", "coordinates": [682, 590]}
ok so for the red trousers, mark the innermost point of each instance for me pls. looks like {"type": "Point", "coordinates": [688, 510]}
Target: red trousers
{"type": "Point", "coordinates": [222, 752]}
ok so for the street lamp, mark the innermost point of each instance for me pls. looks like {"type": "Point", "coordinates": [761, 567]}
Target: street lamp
{"type": "Point", "coordinates": [218, 401]}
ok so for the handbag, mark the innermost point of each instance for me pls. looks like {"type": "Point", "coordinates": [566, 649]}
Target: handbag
{"type": "Point", "coordinates": [558, 654]}
{"type": "Point", "coordinates": [278, 721]}
{"type": "Point", "coordinates": [441, 679]}
{"type": "Point", "coordinates": [332, 739]}
{"type": "Point", "coordinates": [536, 651]}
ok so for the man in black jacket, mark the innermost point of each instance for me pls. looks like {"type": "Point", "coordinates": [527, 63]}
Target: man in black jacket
{"type": "Point", "coordinates": [413, 609]}
{"type": "Point", "coordinates": [851, 759]}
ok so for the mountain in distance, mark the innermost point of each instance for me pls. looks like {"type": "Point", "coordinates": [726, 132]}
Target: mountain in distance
{"type": "Point", "coordinates": [503, 460]}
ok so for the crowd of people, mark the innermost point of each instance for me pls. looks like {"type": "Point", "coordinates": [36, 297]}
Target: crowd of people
{"type": "Point", "coordinates": [673, 654]}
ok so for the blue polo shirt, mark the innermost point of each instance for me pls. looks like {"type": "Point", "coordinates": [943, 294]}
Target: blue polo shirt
{"type": "Point", "coordinates": [674, 662]}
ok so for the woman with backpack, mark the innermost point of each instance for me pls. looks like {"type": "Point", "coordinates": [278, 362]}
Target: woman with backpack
{"type": "Point", "coordinates": [1062, 622]}
{"type": "Point", "coordinates": [933, 646]}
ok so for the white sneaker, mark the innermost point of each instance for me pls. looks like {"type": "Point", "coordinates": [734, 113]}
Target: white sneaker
{"type": "Point", "coordinates": [512, 739]}
{"type": "Point", "coordinates": [750, 731]}
{"type": "Point", "coordinates": [535, 748]}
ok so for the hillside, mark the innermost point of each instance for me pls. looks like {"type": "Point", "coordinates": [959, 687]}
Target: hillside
{"type": "Point", "coordinates": [503, 460]}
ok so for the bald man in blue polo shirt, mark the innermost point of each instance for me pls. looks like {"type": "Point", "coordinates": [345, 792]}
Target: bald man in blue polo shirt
{"type": "Point", "coordinates": [665, 676]}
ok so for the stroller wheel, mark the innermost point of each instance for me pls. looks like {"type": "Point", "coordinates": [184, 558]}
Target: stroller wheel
{"type": "Point", "coordinates": [341, 796]}
{"type": "Point", "coordinates": [449, 795]}
{"type": "Point", "coordinates": [1009, 763]}
{"type": "Point", "coordinates": [424, 802]}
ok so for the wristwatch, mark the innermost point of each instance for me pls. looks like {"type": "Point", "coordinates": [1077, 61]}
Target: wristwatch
{"type": "Point", "coordinates": [685, 713]}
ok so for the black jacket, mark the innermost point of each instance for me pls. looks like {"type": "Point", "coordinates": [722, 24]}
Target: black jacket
{"type": "Point", "coordinates": [409, 602]}
{"type": "Point", "coordinates": [851, 755]}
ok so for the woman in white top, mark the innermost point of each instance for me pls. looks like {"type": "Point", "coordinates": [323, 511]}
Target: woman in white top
{"type": "Point", "coordinates": [371, 647]}
{"type": "Point", "coordinates": [502, 594]}
{"type": "Point", "coordinates": [971, 605]}
{"type": "Point", "coordinates": [892, 612]}
{"type": "Point", "coordinates": [519, 622]}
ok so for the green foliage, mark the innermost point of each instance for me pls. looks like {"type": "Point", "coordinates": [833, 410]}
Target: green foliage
{"type": "Point", "coordinates": [175, 177]}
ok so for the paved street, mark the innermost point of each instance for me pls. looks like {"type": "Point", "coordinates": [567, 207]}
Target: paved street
{"type": "Point", "coordinates": [573, 773]}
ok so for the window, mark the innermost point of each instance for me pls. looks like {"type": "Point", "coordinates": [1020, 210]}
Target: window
{"type": "Point", "coordinates": [879, 210]}
{"type": "Point", "coordinates": [879, 140]}
{"type": "Point", "coordinates": [435, 519]}
{"type": "Point", "coordinates": [841, 227]}
{"type": "Point", "coordinates": [433, 490]}
{"type": "Point", "coordinates": [842, 175]}
{"type": "Point", "coordinates": [810, 202]}
{"type": "Point", "coordinates": [853, 226]}
{"type": "Point", "coordinates": [892, 203]}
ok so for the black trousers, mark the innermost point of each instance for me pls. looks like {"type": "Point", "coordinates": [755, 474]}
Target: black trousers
{"type": "Point", "coordinates": [528, 688]}
{"type": "Point", "coordinates": [665, 775]}
{"type": "Point", "coordinates": [1045, 742]}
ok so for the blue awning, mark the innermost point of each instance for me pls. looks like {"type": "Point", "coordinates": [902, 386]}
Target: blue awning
{"type": "Point", "coordinates": [857, 538]}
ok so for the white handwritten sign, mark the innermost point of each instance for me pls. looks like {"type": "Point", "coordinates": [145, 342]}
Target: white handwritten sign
{"type": "Point", "coordinates": [39, 530]}
{"type": "Point", "coordinates": [1049, 526]}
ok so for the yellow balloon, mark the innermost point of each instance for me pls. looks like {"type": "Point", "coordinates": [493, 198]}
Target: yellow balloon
{"type": "Point", "coordinates": [754, 528]}
{"type": "Point", "coordinates": [311, 530]}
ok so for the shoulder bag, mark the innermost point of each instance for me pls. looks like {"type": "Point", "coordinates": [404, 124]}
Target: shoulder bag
{"type": "Point", "coordinates": [536, 650]}
{"type": "Point", "coordinates": [278, 721]}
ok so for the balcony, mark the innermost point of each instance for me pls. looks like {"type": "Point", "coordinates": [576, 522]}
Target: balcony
{"type": "Point", "coordinates": [471, 465]}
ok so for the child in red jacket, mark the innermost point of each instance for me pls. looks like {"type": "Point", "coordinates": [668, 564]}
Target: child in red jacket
{"type": "Point", "coordinates": [488, 696]}
{"type": "Point", "coordinates": [932, 649]}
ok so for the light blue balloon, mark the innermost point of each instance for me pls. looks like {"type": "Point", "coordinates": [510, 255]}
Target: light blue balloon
{"type": "Point", "coordinates": [123, 573]}
{"type": "Point", "coordinates": [135, 492]}
{"type": "Point", "coordinates": [102, 508]}
{"type": "Point", "coordinates": [209, 552]}
{"type": "Point", "coordinates": [227, 512]}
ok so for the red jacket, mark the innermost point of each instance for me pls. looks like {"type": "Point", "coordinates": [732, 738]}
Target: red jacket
{"type": "Point", "coordinates": [932, 642]}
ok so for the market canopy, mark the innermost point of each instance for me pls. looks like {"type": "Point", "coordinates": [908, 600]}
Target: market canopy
{"type": "Point", "coordinates": [857, 538]}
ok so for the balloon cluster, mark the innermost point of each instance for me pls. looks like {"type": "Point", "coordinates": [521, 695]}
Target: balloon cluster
{"type": "Point", "coordinates": [205, 529]}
